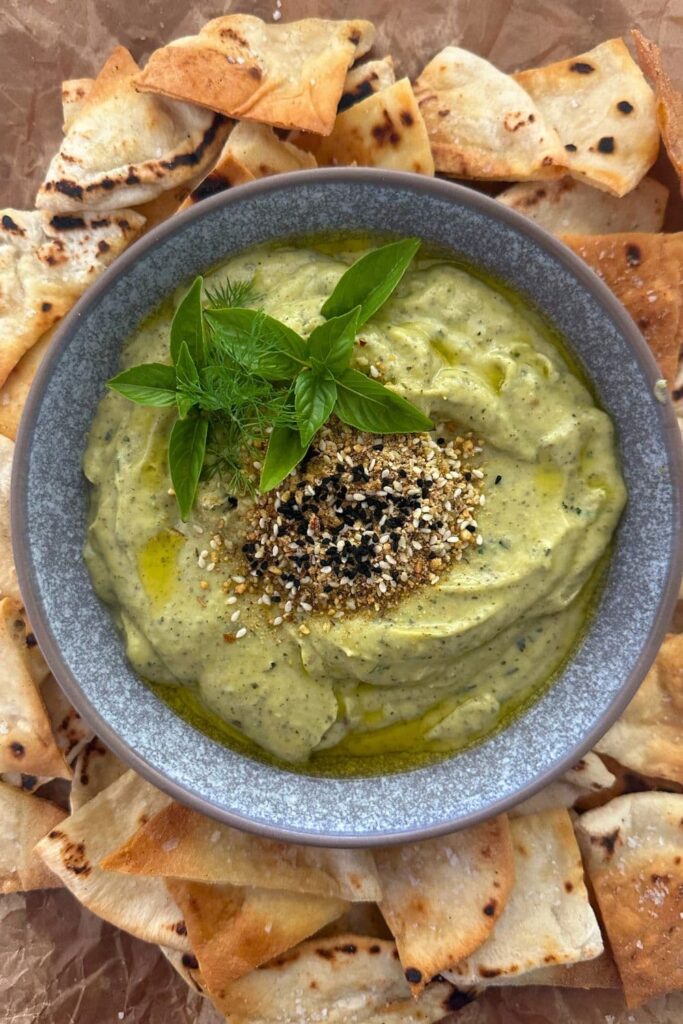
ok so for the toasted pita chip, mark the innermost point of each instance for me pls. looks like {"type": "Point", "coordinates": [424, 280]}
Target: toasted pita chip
{"type": "Point", "coordinates": [385, 130]}
{"type": "Point", "coordinates": [26, 740]}
{"type": "Point", "coordinates": [588, 776]}
{"type": "Point", "coordinates": [442, 897]}
{"type": "Point", "coordinates": [46, 262]}
{"type": "Point", "coordinates": [288, 75]}
{"type": "Point", "coordinates": [234, 929]}
{"type": "Point", "coordinates": [95, 769]}
{"type": "Point", "coordinates": [187, 967]}
{"type": "Point", "coordinates": [25, 820]}
{"type": "Point", "coordinates": [669, 99]}
{"type": "Point", "coordinates": [123, 148]}
{"type": "Point", "coordinates": [547, 919]}
{"type": "Point", "coordinates": [365, 79]}
{"type": "Point", "coordinates": [645, 272]}
{"type": "Point", "coordinates": [141, 906]}
{"type": "Point", "coordinates": [8, 574]}
{"type": "Point", "coordinates": [70, 731]}
{"type": "Point", "coordinates": [361, 919]}
{"type": "Point", "coordinates": [180, 843]}
{"type": "Point", "coordinates": [604, 113]}
{"type": "Point", "coordinates": [481, 123]}
{"type": "Point", "coordinates": [348, 979]}
{"type": "Point", "coordinates": [600, 972]}
{"type": "Point", "coordinates": [633, 848]}
{"type": "Point", "coordinates": [75, 92]}
{"type": "Point", "coordinates": [567, 206]}
{"type": "Point", "coordinates": [648, 737]}
{"type": "Point", "coordinates": [14, 391]}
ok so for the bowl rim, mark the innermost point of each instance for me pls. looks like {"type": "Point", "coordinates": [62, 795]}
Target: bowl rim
{"type": "Point", "coordinates": [461, 195]}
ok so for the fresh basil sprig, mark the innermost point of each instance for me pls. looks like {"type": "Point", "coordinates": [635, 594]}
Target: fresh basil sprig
{"type": "Point", "coordinates": [241, 378]}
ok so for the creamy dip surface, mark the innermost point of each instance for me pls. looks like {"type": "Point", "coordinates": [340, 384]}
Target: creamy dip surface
{"type": "Point", "coordinates": [451, 661]}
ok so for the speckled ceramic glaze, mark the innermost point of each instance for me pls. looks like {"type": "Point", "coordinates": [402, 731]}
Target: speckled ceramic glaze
{"type": "Point", "coordinates": [76, 633]}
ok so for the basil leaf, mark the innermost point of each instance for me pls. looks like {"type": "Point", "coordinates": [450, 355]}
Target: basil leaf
{"type": "Point", "coordinates": [314, 397]}
{"type": "Point", "coordinates": [262, 344]}
{"type": "Point", "coordinates": [186, 450]}
{"type": "Point", "coordinates": [369, 281]}
{"type": "Point", "coordinates": [285, 451]}
{"type": "Point", "coordinates": [184, 403]}
{"type": "Point", "coordinates": [331, 344]}
{"type": "Point", "coordinates": [187, 375]}
{"type": "Point", "coordinates": [366, 404]}
{"type": "Point", "coordinates": [147, 384]}
{"type": "Point", "coordinates": [188, 325]}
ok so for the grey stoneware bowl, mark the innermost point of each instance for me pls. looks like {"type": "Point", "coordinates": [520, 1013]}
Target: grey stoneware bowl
{"type": "Point", "coordinates": [82, 647]}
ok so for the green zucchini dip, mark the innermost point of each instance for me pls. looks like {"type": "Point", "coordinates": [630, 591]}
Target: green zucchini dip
{"type": "Point", "coordinates": [449, 660]}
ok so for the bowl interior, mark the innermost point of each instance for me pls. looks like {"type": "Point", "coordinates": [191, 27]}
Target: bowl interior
{"type": "Point", "coordinates": [76, 632]}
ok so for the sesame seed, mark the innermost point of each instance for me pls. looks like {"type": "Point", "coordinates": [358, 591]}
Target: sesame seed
{"type": "Point", "coordinates": [235, 616]}
{"type": "Point", "coordinates": [231, 600]}
{"type": "Point", "coordinates": [240, 633]}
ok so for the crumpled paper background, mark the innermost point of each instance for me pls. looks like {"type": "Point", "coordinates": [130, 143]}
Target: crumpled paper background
{"type": "Point", "coordinates": [58, 963]}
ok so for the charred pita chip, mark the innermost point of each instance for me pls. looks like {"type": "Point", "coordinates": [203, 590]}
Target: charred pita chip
{"type": "Point", "coordinates": [26, 741]}
{"type": "Point", "coordinates": [481, 123]}
{"type": "Point", "coordinates": [25, 820]}
{"type": "Point", "coordinates": [95, 768]}
{"type": "Point", "coordinates": [46, 262]}
{"type": "Point", "coordinates": [122, 148]}
{"type": "Point", "coordinates": [645, 272]}
{"type": "Point", "coordinates": [8, 574]}
{"type": "Point", "coordinates": [75, 92]}
{"type": "Point", "coordinates": [442, 897]}
{"type": "Point", "coordinates": [180, 843]}
{"type": "Point", "coordinates": [587, 777]}
{"type": "Point", "coordinates": [70, 731]}
{"type": "Point", "coordinates": [567, 206]}
{"type": "Point", "coordinates": [366, 79]}
{"type": "Point", "coordinates": [289, 75]}
{"type": "Point", "coordinates": [348, 979]}
{"type": "Point", "coordinates": [648, 737]}
{"type": "Point", "coordinates": [14, 391]}
{"type": "Point", "coordinates": [187, 967]}
{"type": "Point", "coordinates": [633, 849]}
{"type": "Point", "coordinates": [385, 130]}
{"type": "Point", "coordinates": [234, 929]}
{"type": "Point", "coordinates": [73, 850]}
{"type": "Point", "coordinates": [547, 919]}
{"type": "Point", "coordinates": [604, 113]}
{"type": "Point", "coordinates": [669, 99]}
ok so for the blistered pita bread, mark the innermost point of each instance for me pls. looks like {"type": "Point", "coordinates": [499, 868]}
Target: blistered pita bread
{"type": "Point", "coordinates": [645, 272]}
{"type": "Point", "coordinates": [289, 75]}
{"type": "Point", "coordinates": [633, 848]}
{"type": "Point", "coordinates": [94, 769]}
{"type": "Point", "coordinates": [122, 148]}
{"type": "Point", "coordinates": [669, 99]}
{"type": "Point", "coordinates": [75, 92]}
{"type": "Point", "coordinates": [14, 391]}
{"type": "Point", "coordinates": [348, 979]}
{"type": "Point", "coordinates": [8, 574]}
{"type": "Point", "coordinates": [73, 851]}
{"type": "Point", "coordinates": [442, 897]}
{"type": "Point", "coordinates": [567, 206]}
{"type": "Point", "coordinates": [25, 820]}
{"type": "Point", "coordinates": [385, 130]}
{"type": "Point", "coordinates": [648, 737]}
{"type": "Point", "coordinates": [481, 123]}
{"type": "Point", "coordinates": [234, 929]}
{"type": "Point", "coordinates": [26, 740]}
{"type": "Point", "coordinates": [604, 113]}
{"type": "Point", "coordinates": [46, 262]}
{"type": "Point", "coordinates": [587, 777]}
{"type": "Point", "coordinates": [547, 919]}
{"type": "Point", "coordinates": [180, 843]}
{"type": "Point", "coordinates": [365, 79]}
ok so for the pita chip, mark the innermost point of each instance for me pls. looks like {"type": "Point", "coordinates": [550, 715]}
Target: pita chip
{"type": "Point", "coordinates": [365, 79]}
{"type": "Point", "coordinates": [26, 741]}
{"type": "Point", "coordinates": [587, 777]}
{"type": "Point", "coordinates": [25, 820]}
{"type": "Point", "coordinates": [384, 130]}
{"type": "Point", "coordinates": [123, 148]}
{"type": "Point", "coordinates": [601, 972]}
{"type": "Point", "coordinates": [547, 919]}
{"type": "Point", "coordinates": [346, 979]}
{"type": "Point", "coordinates": [94, 769]}
{"type": "Point", "coordinates": [180, 843]}
{"type": "Point", "coordinates": [442, 897]}
{"type": "Point", "coordinates": [187, 967]}
{"type": "Point", "coordinates": [46, 262]}
{"type": "Point", "coordinates": [669, 99]}
{"type": "Point", "coordinates": [14, 391]}
{"type": "Point", "coordinates": [567, 206]}
{"type": "Point", "coordinates": [633, 848]}
{"type": "Point", "coordinates": [234, 929]}
{"type": "Point", "coordinates": [8, 574]}
{"type": "Point", "coordinates": [645, 272]}
{"type": "Point", "coordinates": [604, 113]}
{"type": "Point", "coordinates": [290, 75]}
{"type": "Point", "coordinates": [648, 737]}
{"type": "Point", "coordinates": [481, 123]}
{"type": "Point", "coordinates": [70, 731]}
{"type": "Point", "coordinates": [74, 849]}
{"type": "Point", "coordinates": [75, 92]}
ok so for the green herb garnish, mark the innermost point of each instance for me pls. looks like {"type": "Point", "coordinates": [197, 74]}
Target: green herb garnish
{"type": "Point", "coordinates": [242, 380]}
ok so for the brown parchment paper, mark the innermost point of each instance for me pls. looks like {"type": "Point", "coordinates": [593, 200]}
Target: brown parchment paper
{"type": "Point", "coordinates": [58, 963]}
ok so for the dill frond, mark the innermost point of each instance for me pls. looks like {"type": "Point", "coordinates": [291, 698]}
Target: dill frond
{"type": "Point", "coordinates": [232, 293]}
